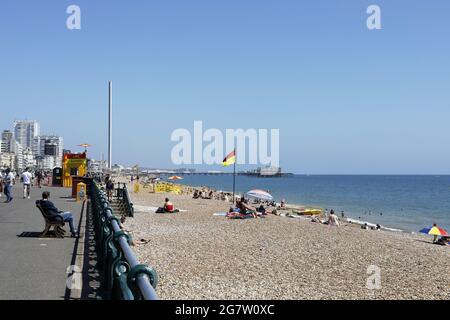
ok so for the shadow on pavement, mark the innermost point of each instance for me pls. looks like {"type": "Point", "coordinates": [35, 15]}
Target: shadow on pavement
{"type": "Point", "coordinates": [35, 234]}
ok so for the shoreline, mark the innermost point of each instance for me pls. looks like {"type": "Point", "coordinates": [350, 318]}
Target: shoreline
{"type": "Point", "coordinates": [297, 206]}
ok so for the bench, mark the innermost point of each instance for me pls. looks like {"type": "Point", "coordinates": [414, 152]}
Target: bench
{"type": "Point", "coordinates": [57, 223]}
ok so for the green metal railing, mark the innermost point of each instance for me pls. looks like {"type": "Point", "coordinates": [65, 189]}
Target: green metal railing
{"type": "Point", "coordinates": [123, 277]}
{"type": "Point", "coordinates": [124, 199]}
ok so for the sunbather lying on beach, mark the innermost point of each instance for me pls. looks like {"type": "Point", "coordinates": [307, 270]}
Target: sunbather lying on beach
{"type": "Point", "coordinates": [443, 241]}
{"type": "Point", "coordinates": [261, 209]}
{"type": "Point", "coordinates": [243, 208]}
{"type": "Point", "coordinates": [246, 208]}
{"type": "Point", "coordinates": [315, 219]}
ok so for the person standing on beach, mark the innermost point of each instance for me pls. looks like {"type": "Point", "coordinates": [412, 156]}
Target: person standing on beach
{"type": "Point", "coordinates": [26, 179]}
{"type": "Point", "coordinates": [435, 238]}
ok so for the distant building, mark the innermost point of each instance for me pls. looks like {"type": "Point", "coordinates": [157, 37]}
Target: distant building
{"type": "Point", "coordinates": [7, 160]}
{"type": "Point", "coordinates": [48, 150]}
{"type": "Point", "coordinates": [269, 171]}
{"type": "Point", "coordinates": [118, 168]}
{"type": "Point", "coordinates": [97, 166]}
{"type": "Point", "coordinates": [7, 138]}
{"type": "Point", "coordinates": [265, 172]}
{"type": "Point", "coordinates": [28, 158]}
{"type": "Point", "coordinates": [25, 131]}
{"type": "Point", "coordinates": [17, 150]}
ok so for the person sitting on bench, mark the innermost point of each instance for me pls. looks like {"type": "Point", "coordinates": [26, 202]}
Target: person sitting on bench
{"type": "Point", "coordinates": [53, 212]}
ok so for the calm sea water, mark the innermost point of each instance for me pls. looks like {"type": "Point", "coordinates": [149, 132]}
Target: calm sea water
{"type": "Point", "coordinates": [406, 202]}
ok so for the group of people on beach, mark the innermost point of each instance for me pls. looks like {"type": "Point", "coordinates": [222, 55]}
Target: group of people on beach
{"type": "Point", "coordinates": [200, 194]}
{"type": "Point", "coordinates": [243, 209]}
{"type": "Point", "coordinates": [210, 194]}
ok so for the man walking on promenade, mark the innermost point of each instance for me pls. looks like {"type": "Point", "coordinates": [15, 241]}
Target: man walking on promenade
{"type": "Point", "coordinates": [39, 178]}
{"type": "Point", "coordinates": [26, 179]}
{"type": "Point", "coordinates": [8, 181]}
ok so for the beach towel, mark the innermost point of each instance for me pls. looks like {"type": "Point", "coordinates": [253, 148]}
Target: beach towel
{"type": "Point", "coordinates": [162, 210]}
{"type": "Point", "coordinates": [234, 215]}
{"type": "Point", "coordinates": [145, 209]}
{"type": "Point", "coordinates": [237, 215]}
{"type": "Point", "coordinates": [220, 214]}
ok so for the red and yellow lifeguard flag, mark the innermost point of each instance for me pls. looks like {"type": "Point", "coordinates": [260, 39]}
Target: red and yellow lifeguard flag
{"type": "Point", "coordinates": [229, 159]}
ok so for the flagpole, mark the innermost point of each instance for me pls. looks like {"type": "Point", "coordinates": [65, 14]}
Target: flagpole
{"type": "Point", "coordinates": [234, 179]}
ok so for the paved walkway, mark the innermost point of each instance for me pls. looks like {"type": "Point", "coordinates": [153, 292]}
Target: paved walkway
{"type": "Point", "coordinates": [32, 267]}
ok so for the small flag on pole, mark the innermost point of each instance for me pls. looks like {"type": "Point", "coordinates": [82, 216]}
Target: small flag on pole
{"type": "Point", "coordinates": [229, 159]}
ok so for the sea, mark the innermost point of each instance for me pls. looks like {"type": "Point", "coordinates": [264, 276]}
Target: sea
{"type": "Point", "coordinates": [399, 202]}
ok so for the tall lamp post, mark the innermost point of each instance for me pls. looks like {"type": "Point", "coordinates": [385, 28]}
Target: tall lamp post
{"type": "Point", "coordinates": [110, 128]}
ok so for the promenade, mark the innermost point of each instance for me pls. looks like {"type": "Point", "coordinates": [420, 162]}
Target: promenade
{"type": "Point", "coordinates": [32, 267]}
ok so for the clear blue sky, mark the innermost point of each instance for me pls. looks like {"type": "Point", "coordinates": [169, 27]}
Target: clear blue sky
{"type": "Point", "coordinates": [346, 99]}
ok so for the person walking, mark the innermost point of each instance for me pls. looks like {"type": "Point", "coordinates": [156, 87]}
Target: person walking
{"type": "Point", "coordinates": [9, 181]}
{"type": "Point", "coordinates": [26, 179]}
{"type": "Point", "coordinates": [39, 178]}
{"type": "Point", "coordinates": [2, 175]}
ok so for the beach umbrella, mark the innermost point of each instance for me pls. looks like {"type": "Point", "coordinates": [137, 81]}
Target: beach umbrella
{"type": "Point", "coordinates": [175, 178]}
{"type": "Point", "coordinates": [259, 194]}
{"type": "Point", "coordinates": [435, 231]}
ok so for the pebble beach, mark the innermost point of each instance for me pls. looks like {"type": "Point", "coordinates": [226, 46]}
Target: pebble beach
{"type": "Point", "coordinates": [201, 256]}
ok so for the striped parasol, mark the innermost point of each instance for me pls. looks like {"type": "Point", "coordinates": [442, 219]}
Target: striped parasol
{"type": "Point", "coordinates": [435, 231]}
{"type": "Point", "coordinates": [174, 178]}
{"type": "Point", "coordinates": [259, 194]}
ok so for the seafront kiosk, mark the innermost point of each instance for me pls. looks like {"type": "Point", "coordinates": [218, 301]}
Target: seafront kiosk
{"type": "Point", "coordinates": [57, 177]}
{"type": "Point", "coordinates": [74, 168]}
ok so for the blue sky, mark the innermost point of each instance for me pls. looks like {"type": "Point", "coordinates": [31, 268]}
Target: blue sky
{"type": "Point", "coordinates": [346, 99]}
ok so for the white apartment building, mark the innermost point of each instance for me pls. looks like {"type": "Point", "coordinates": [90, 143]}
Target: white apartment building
{"type": "Point", "coordinates": [28, 158]}
{"type": "Point", "coordinates": [7, 160]}
{"type": "Point", "coordinates": [17, 150]}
